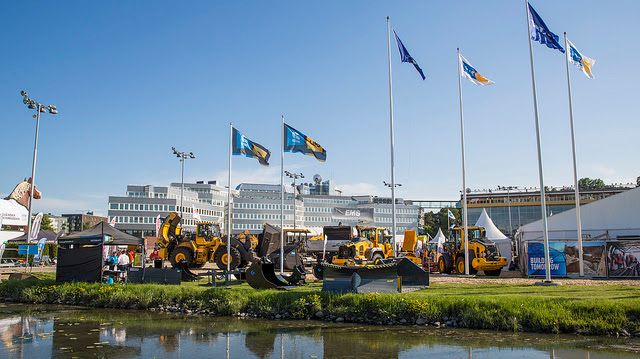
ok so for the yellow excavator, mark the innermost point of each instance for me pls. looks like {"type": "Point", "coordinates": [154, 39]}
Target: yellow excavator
{"type": "Point", "coordinates": [483, 253]}
{"type": "Point", "coordinates": [194, 250]}
{"type": "Point", "coordinates": [371, 246]}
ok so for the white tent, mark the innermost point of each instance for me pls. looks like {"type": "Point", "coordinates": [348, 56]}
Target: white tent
{"type": "Point", "coordinates": [439, 238]}
{"type": "Point", "coordinates": [494, 234]}
{"type": "Point", "coordinates": [617, 215]}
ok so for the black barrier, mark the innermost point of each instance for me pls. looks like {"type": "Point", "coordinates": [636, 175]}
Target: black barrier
{"type": "Point", "coordinates": [412, 274]}
{"type": "Point", "coordinates": [154, 275]}
{"type": "Point", "coordinates": [361, 279]}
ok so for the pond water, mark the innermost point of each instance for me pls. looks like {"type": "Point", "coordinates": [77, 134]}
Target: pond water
{"type": "Point", "coordinates": [65, 332]}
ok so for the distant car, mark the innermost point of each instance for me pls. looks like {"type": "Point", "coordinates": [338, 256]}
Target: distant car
{"type": "Point", "coordinates": [8, 262]}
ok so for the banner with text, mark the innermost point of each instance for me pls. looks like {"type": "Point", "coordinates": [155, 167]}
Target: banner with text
{"type": "Point", "coordinates": [352, 215]}
{"type": "Point", "coordinates": [565, 259]}
{"type": "Point", "coordinates": [623, 258]}
{"type": "Point", "coordinates": [536, 263]}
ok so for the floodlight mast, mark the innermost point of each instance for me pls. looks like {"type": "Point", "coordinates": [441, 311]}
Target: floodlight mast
{"type": "Point", "coordinates": [294, 176]}
{"type": "Point", "coordinates": [39, 107]}
{"type": "Point", "coordinates": [182, 156]}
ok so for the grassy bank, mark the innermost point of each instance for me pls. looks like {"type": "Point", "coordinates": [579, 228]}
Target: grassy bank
{"type": "Point", "coordinates": [602, 310]}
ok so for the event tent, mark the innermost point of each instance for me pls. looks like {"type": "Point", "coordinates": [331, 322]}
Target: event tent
{"type": "Point", "coordinates": [613, 216]}
{"type": "Point", "coordinates": [117, 238]}
{"type": "Point", "coordinates": [439, 238]}
{"type": "Point", "coordinates": [51, 236]}
{"type": "Point", "coordinates": [494, 234]}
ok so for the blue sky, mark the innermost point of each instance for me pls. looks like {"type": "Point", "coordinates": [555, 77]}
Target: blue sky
{"type": "Point", "coordinates": [132, 79]}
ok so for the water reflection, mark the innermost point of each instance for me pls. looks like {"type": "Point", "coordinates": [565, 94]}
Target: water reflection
{"type": "Point", "coordinates": [43, 332]}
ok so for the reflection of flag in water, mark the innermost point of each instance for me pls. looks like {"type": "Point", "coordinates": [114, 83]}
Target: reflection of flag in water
{"type": "Point", "coordinates": [243, 146]}
{"type": "Point", "coordinates": [584, 63]}
{"type": "Point", "coordinates": [296, 141]}
{"type": "Point", "coordinates": [405, 57]}
{"type": "Point", "coordinates": [540, 32]}
{"type": "Point", "coordinates": [470, 73]}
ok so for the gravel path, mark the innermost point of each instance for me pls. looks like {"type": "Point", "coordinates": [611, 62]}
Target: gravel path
{"type": "Point", "coordinates": [480, 279]}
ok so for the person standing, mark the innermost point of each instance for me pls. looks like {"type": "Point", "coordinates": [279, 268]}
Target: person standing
{"type": "Point", "coordinates": [123, 263]}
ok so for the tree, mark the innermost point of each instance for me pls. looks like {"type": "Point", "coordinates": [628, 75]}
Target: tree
{"type": "Point", "coordinates": [438, 220]}
{"type": "Point", "coordinates": [45, 224]}
{"type": "Point", "coordinates": [590, 184]}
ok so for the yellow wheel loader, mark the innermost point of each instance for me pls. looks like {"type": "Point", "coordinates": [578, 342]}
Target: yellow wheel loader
{"type": "Point", "coordinates": [371, 246]}
{"type": "Point", "coordinates": [483, 253]}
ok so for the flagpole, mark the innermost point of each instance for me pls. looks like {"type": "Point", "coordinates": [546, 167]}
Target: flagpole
{"type": "Point", "coordinates": [543, 204]}
{"type": "Point", "coordinates": [573, 152]}
{"type": "Point", "coordinates": [229, 206]}
{"type": "Point", "coordinates": [464, 174]}
{"type": "Point", "coordinates": [282, 197]}
{"type": "Point", "coordinates": [391, 134]}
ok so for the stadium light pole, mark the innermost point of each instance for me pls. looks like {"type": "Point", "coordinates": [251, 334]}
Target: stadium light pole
{"type": "Point", "coordinates": [182, 156]}
{"type": "Point", "coordinates": [39, 108]}
{"type": "Point", "coordinates": [294, 176]}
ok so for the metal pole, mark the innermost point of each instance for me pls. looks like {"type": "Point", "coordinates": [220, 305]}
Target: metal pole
{"type": "Point", "coordinates": [464, 174]}
{"type": "Point", "coordinates": [33, 171]}
{"type": "Point", "coordinates": [181, 185]}
{"type": "Point", "coordinates": [229, 212]}
{"type": "Point", "coordinates": [543, 204]}
{"type": "Point", "coordinates": [575, 166]}
{"type": "Point", "coordinates": [509, 206]}
{"type": "Point", "coordinates": [282, 198]}
{"type": "Point", "coordinates": [391, 134]}
{"type": "Point", "coordinates": [294, 202]}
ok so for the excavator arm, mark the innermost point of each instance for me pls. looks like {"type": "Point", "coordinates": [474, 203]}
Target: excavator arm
{"type": "Point", "coordinates": [169, 230]}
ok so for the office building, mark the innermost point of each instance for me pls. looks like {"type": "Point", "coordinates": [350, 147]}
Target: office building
{"type": "Point", "coordinates": [80, 222]}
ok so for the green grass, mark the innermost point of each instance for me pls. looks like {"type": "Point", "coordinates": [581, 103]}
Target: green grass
{"type": "Point", "coordinates": [593, 310]}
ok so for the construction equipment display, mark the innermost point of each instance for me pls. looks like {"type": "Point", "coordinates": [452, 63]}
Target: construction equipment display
{"type": "Point", "coordinates": [483, 253]}
{"type": "Point", "coordinates": [371, 246]}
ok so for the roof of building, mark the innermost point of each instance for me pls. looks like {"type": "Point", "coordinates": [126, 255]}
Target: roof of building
{"type": "Point", "coordinates": [258, 187]}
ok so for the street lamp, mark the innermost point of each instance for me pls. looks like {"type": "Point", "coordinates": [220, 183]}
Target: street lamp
{"type": "Point", "coordinates": [294, 176]}
{"type": "Point", "coordinates": [393, 210]}
{"type": "Point", "coordinates": [182, 156]}
{"type": "Point", "coordinates": [508, 189]}
{"type": "Point", "coordinates": [38, 107]}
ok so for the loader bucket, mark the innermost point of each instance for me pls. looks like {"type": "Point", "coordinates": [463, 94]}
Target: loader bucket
{"type": "Point", "coordinates": [186, 273]}
{"type": "Point", "coordinates": [263, 276]}
{"type": "Point", "coordinates": [361, 279]}
{"type": "Point", "coordinates": [412, 274]}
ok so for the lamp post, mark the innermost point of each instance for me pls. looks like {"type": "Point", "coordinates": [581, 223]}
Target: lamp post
{"type": "Point", "coordinates": [508, 189]}
{"type": "Point", "coordinates": [294, 176]}
{"type": "Point", "coordinates": [182, 156]}
{"type": "Point", "coordinates": [392, 186]}
{"type": "Point", "coordinates": [38, 107]}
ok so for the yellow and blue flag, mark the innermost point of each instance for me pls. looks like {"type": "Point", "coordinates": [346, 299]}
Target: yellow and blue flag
{"type": "Point", "coordinates": [405, 57]}
{"type": "Point", "coordinates": [584, 63]}
{"type": "Point", "coordinates": [296, 141]}
{"type": "Point", "coordinates": [540, 32]}
{"type": "Point", "coordinates": [242, 146]}
{"type": "Point", "coordinates": [470, 73]}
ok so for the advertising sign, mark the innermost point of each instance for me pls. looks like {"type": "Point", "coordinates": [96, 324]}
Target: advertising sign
{"type": "Point", "coordinates": [352, 215]}
{"type": "Point", "coordinates": [623, 259]}
{"type": "Point", "coordinates": [27, 249]}
{"type": "Point", "coordinates": [595, 260]}
{"type": "Point", "coordinates": [536, 263]}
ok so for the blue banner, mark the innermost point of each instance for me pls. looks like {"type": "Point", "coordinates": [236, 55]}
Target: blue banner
{"type": "Point", "coordinates": [536, 263]}
{"type": "Point", "coordinates": [26, 249]}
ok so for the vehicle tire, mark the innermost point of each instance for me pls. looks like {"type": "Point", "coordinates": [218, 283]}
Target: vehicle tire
{"type": "Point", "coordinates": [377, 258]}
{"type": "Point", "coordinates": [180, 255]}
{"type": "Point", "coordinates": [493, 273]}
{"type": "Point", "coordinates": [444, 264]}
{"type": "Point", "coordinates": [460, 265]}
{"type": "Point", "coordinates": [472, 256]}
{"type": "Point", "coordinates": [220, 257]}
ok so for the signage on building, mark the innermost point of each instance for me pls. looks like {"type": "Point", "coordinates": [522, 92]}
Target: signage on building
{"type": "Point", "coordinates": [564, 259]}
{"type": "Point", "coordinates": [353, 215]}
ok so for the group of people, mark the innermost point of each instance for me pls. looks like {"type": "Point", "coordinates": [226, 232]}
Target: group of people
{"type": "Point", "coordinates": [120, 261]}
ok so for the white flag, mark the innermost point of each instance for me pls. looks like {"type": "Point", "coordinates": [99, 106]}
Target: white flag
{"type": "Point", "coordinates": [35, 228]}
{"type": "Point", "coordinates": [450, 214]}
{"type": "Point", "coordinates": [157, 225]}
{"type": "Point", "coordinates": [196, 215]}
{"type": "Point", "coordinates": [113, 221]}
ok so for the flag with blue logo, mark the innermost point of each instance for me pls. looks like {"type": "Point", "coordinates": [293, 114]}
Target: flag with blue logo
{"type": "Point", "coordinates": [296, 141]}
{"type": "Point", "coordinates": [472, 74]}
{"type": "Point", "coordinates": [450, 214]}
{"type": "Point", "coordinates": [541, 33]}
{"type": "Point", "coordinates": [584, 63]}
{"type": "Point", "coordinates": [405, 57]}
{"type": "Point", "coordinates": [242, 146]}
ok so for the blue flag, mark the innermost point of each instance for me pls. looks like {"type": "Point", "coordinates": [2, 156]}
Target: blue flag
{"type": "Point", "coordinates": [296, 141]}
{"type": "Point", "coordinates": [541, 33]}
{"type": "Point", "coordinates": [405, 57]}
{"type": "Point", "coordinates": [242, 146]}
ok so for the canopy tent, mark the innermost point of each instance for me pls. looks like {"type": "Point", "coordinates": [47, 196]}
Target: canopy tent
{"type": "Point", "coordinates": [115, 237]}
{"type": "Point", "coordinates": [439, 238]}
{"type": "Point", "coordinates": [494, 234]}
{"type": "Point", "coordinates": [51, 236]}
{"type": "Point", "coordinates": [612, 217]}
{"type": "Point", "coordinates": [12, 213]}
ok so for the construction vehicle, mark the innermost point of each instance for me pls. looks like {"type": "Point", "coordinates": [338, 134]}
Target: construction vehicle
{"type": "Point", "coordinates": [409, 245]}
{"type": "Point", "coordinates": [194, 250]}
{"type": "Point", "coordinates": [483, 253]}
{"type": "Point", "coordinates": [371, 246]}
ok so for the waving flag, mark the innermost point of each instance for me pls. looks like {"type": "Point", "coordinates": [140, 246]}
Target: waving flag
{"type": "Point", "coordinates": [196, 214]}
{"type": "Point", "coordinates": [584, 63]}
{"type": "Point", "coordinates": [243, 146]}
{"type": "Point", "coordinates": [405, 57]}
{"type": "Point", "coordinates": [470, 73]}
{"type": "Point", "coordinates": [296, 141]}
{"type": "Point", "coordinates": [450, 214]}
{"type": "Point", "coordinates": [541, 33]}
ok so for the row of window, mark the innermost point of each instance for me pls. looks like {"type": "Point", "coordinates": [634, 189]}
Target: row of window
{"type": "Point", "coordinates": [398, 220]}
{"type": "Point", "coordinates": [141, 207]}
{"type": "Point", "coordinates": [148, 220]}
{"type": "Point", "coordinates": [263, 216]}
{"type": "Point", "coordinates": [533, 198]}
{"type": "Point", "coordinates": [317, 219]}
{"type": "Point", "coordinates": [146, 195]}
{"type": "Point", "coordinates": [328, 200]}
{"type": "Point", "coordinates": [243, 226]}
{"type": "Point", "coordinates": [287, 207]}
{"type": "Point", "coordinates": [318, 209]}
{"type": "Point", "coordinates": [205, 212]}
{"type": "Point", "coordinates": [398, 210]}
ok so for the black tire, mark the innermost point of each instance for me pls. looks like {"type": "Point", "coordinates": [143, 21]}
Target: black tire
{"type": "Point", "coordinates": [472, 256]}
{"type": "Point", "coordinates": [220, 254]}
{"type": "Point", "coordinates": [377, 258]}
{"type": "Point", "coordinates": [444, 264]}
{"type": "Point", "coordinates": [460, 265]}
{"type": "Point", "coordinates": [180, 256]}
{"type": "Point", "coordinates": [493, 273]}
